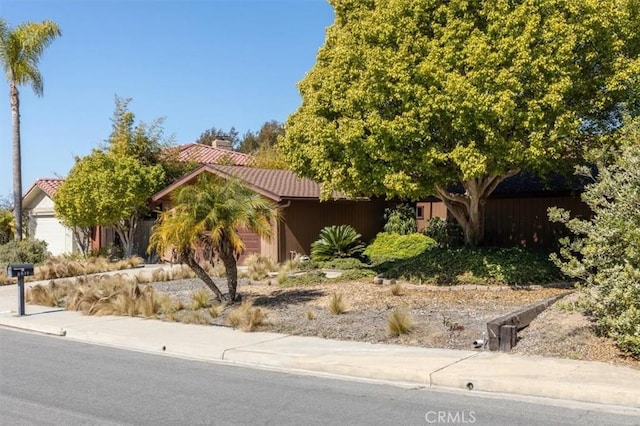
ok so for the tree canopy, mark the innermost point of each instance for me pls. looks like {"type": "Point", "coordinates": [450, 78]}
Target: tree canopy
{"type": "Point", "coordinates": [208, 136]}
{"type": "Point", "coordinates": [108, 190]}
{"type": "Point", "coordinates": [416, 98]}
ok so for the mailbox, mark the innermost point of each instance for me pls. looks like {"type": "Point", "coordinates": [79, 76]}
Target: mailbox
{"type": "Point", "coordinates": [20, 269]}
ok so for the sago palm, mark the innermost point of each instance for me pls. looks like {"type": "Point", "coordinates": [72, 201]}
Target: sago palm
{"type": "Point", "coordinates": [337, 241]}
{"type": "Point", "coordinates": [206, 218]}
{"type": "Point", "coordinates": [20, 52]}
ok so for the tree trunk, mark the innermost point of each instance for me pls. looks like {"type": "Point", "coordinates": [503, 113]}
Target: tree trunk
{"type": "Point", "coordinates": [469, 208]}
{"type": "Point", "coordinates": [190, 259]}
{"type": "Point", "coordinates": [230, 263]}
{"type": "Point", "coordinates": [126, 230]}
{"type": "Point", "coordinates": [17, 159]}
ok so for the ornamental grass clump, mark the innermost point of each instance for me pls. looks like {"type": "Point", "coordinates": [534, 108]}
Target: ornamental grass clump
{"type": "Point", "coordinates": [399, 322]}
{"type": "Point", "coordinates": [337, 305]}
{"type": "Point", "coordinates": [246, 316]}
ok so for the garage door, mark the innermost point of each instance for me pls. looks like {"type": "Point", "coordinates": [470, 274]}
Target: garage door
{"type": "Point", "coordinates": [53, 232]}
{"type": "Point", "coordinates": [251, 244]}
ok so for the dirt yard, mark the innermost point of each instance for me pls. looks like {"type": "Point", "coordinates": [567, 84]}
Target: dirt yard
{"type": "Point", "coordinates": [442, 317]}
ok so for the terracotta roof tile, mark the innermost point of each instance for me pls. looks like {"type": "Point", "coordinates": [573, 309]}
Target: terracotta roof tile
{"type": "Point", "coordinates": [48, 186]}
{"type": "Point", "coordinates": [206, 154]}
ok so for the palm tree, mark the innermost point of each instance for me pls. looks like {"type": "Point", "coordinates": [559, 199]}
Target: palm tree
{"type": "Point", "coordinates": [20, 51]}
{"type": "Point", "coordinates": [205, 221]}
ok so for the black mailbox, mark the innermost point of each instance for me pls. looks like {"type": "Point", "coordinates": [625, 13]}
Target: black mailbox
{"type": "Point", "coordinates": [20, 269]}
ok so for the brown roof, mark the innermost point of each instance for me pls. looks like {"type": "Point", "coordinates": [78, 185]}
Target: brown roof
{"type": "Point", "coordinates": [206, 154]}
{"type": "Point", "coordinates": [48, 186]}
{"type": "Point", "coordinates": [274, 184]}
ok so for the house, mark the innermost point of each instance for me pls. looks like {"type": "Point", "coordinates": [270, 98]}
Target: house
{"type": "Point", "coordinates": [303, 213]}
{"type": "Point", "coordinates": [38, 203]}
{"type": "Point", "coordinates": [516, 212]}
{"type": "Point", "coordinates": [42, 224]}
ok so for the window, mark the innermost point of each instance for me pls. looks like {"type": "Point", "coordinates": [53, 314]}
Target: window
{"type": "Point", "coordinates": [419, 212]}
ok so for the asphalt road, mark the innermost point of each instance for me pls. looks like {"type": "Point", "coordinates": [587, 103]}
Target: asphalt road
{"type": "Point", "coordinates": [53, 381]}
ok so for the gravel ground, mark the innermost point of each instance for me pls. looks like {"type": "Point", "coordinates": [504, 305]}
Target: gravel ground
{"type": "Point", "coordinates": [443, 317]}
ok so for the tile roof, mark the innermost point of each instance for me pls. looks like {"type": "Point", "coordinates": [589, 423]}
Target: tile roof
{"type": "Point", "coordinates": [206, 154]}
{"type": "Point", "coordinates": [48, 186]}
{"type": "Point", "coordinates": [274, 184]}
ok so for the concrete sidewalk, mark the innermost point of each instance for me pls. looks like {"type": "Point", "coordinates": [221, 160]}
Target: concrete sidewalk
{"type": "Point", "coordinates": [593, 382]}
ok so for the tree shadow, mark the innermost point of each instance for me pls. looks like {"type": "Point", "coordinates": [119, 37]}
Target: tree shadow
{"type": "Point", "coordinates": [288, 297]}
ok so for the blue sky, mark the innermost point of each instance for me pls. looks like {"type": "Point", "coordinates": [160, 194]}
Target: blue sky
{"type": "Point", "coordinates": [199, 64]}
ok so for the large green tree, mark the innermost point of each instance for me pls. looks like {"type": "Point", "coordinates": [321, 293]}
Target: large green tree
{"type": "Point", "coordinates": [108, 190]}
{"type": "Point", "coordinates": [604, 253]}
{"type": "Point", "coordinates": [416, 98]}
{"type": "Point", "coordinates": [205, 221]}
{"type": "Point", "coordinates": [20, 51]}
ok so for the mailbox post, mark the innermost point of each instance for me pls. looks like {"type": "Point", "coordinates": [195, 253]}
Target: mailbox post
{"type": "Point", "coordinates": [20, 270]}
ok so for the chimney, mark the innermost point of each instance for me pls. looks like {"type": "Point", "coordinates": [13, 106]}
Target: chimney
{"type": "Point", "coordinates": [222, 144]}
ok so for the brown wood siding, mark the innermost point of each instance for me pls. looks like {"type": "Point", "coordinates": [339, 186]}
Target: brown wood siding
{"type": "Point", "coordinates": [303, 220]}
{"type": "Point", "coordinates": [524, 222]}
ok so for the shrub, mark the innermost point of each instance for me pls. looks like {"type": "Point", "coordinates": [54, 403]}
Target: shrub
{"type": "Point", "coordinates": [389, 247]}
{"type": "Point", "coordinates": [480, 266]}
{"type": "Point", "coordinates": [605, 249]}
{"type": "Point", "coordinates": [337, 241]}
{"type": "Point", "coordinates": [444, 233]}
{"type": "Point", "coordinates": [399, 322]}
{"type": "Point", "coordinates": [355, 274]}
{"type": "Point", "coordinates": [343, 264]}
{"type": "Point", "coordinates": [23, 251]}
{"type": "Point", "coordinates": [401, 220]}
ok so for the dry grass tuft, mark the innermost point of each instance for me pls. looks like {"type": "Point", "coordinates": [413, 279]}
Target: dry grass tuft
{"type": "Point", "coordinates": [215, 310]}
{"type": "Point", "coordinates": [52, 294]}
{"type": "Point", "coordinates": [259, 266]}
{"type": "Point", "coordinates": [396, 289]}
{"type": "Point", "coordinates": [311, 315]}
{"type": "Point", "coordinates": [246, 317]}
{"type": "Point", "coordinates": [337, 305]}
{"type": "Point", "coordinates": [399, 322]}
{"type": "Point", "coordinates": [191, 317]}
{"type": "Point", "coordinates": [200, 299]}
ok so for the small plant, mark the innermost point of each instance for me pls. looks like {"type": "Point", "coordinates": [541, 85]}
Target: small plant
{"type": "Point", "coordinates": [311, 315]}
{"type": "Point", "coordinates": [259, 266]}
{"type": "Point", "coordinates": [399, 322]}
{"type": "Point", "coordinates": [200, 299]}
{"type": "Point", "coordinates": [451, 327]}
{"type": "Point", "coordinates": [396, 289]}
{"type": "Point", "coordinates": [246, 317]}
{"type": "Point", "coordinates": [191, 317]}
{"type": "Point", "coordinates": [337, 304]}
{"type": "Point", "coordinates": [216, 309]}
{"type": "Point", "coordinates": [307, 278]}
{"type": "Point", "coordinates": [337, 241]}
